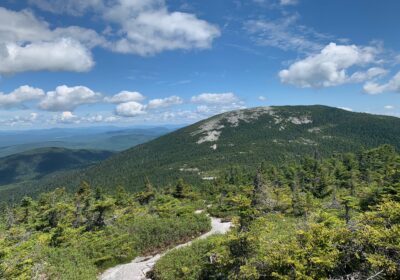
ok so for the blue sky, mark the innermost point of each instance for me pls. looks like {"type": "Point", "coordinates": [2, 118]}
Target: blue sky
{"type": "Point", "coordinates": [127, 62]}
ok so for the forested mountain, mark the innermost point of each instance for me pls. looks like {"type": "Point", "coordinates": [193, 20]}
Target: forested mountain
{"type": "Point", "coordinates": [243, 138]}
{"type": "Point", "coordinates": [99, 138]}
{"type": "Point", "coordinates": [36, 164]}
{"type": "Point", "coordinates": [333, 218]}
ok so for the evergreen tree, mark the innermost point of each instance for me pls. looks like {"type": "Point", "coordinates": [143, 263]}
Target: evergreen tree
{"type": "Point", "coordinates": [121, 197]}
{"type": "Point", "coordinates": [26, 204]}
{"type": "Point", "coordinates": [82, 204]}
{"type": "Point", "coordinates": [179, 191]}
{"type": "Point", "coordinates": [258, 198]}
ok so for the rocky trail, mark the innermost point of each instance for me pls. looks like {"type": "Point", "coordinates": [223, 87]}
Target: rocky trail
{"type": "Point", "coordinates": [140, 266]}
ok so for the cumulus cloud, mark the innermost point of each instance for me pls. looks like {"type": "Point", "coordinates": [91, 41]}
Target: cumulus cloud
{"type": "Point", "coordinates": [62, 55]}
{"type": "Point", "coordinates": [68, 117]}
{"type": "Point", "coordinates": [216, 103]}
{"type": "Point", "coordinates": [203, 109]}
{"type": "Point", "coordinates": [262, 98]}
{"type": "Point", "coordinates": [130, 109]}
{"type": "Point", "coordinates": [371, 73]}
{"type": "Point", "coordinates": [389, 107]}
{"type": "Point", "coordinates": [20, 120]}
{"type": "Point", "coordinates": [134, 108]}
{"type": "Point", "coordinates": [393, 85]}
{"type": "Point", "coordinates": [149, 28]}
{"type": "Point", "coordinates": [330, 66]}
{"type": "Point", "coordinates": [216, 98]}
{"type": "Point", "coordinates": [146, 27]}
{"type": "Point", "coordinates": [28, 44]}
{"type": "Point", "coordinates": [125, 96]}
{"type": "Point", "coordinates": [65, 98]}
{"type": "Point", "coordinates": [164, 102]}
{"type": "Point", "coordinates": [142, 27]}
{"type": "Point", "coordinates": [20, 95]}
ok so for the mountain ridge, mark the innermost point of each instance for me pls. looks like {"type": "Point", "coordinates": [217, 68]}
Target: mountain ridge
{"type": "Point", "coordinates": [277, 134]}
{"type": "Point", "coordinates": [38, 163]}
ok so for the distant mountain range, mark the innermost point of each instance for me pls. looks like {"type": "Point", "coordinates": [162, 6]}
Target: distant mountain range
{"type": "Point", "coordinates": [244, 138]}
{"type": "Point", "coordinates": [99, 138]}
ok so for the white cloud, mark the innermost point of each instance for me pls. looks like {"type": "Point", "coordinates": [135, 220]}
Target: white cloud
{"type": "Point", "coordinates": [20, 95]}
{"type": "Point", "coordinates": [87, 37]}
{"type": "Point", "coordinates": [216, 98]}
{"type": "Point", "coordinates": [130, 109]}
{"type": "Point", "coordinates": [27, 119]}
{"type": "Point", "coordinates": [393, 85]}
{"type": "Point", "coordinates": [164, 102]}
{"type": "Point", "coordinates": [152, 32]}
{"type": "Point", "coordinates": [371, 73]}
{"type": "Point", "coordinates": [66, 98]}
{"type": "Point", "coordinates": [68, 117]}
{"type": "Point", "coordinates": [142, 27]}
{"type": "Point", "coordinates": [202, 109]}
{"type": "Point", "coordinates": [389, 107]}
{"type": "Point", "coordinates": [62, 55]}
{"type": "Point", "coordinates": [125, 96]}
{"type": "Point", "coordinates": [22, 26]}
{"type": "Point", "coordinates": [216, 103]}
{"type": "Point", "coordinates": [285, 33]}
{"type": "Point", "coordinates": [28, 44]}
{"type": "Point", "coordinates": [329, 67]}
{"type": "Point", "coordinates": [145, 27]}
{"type": "Point", "coordinates": [262, 98]}
{"type": "Point", "coordinates": [134, 108]}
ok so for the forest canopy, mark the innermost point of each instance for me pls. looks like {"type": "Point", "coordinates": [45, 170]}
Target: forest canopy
{"type": "Point", "coordinates": [320, 218]}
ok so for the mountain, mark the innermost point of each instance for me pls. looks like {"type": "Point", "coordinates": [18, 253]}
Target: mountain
{"type": "Point", "coordinates": [244, 138]}
{"type": "Point", "coordinates": [100, 138]}
{"type": "Point", "coordinates": [36, 164]}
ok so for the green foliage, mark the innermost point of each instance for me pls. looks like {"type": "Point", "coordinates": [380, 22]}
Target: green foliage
{"type": "Point", "coordinates": [318, 237]}
{"type": "Point", "coordinates": [63, 236]}
{"type": "Point", "coordinates": [318, 218]}
{"type": "Point", "coordinates": [188, 263]}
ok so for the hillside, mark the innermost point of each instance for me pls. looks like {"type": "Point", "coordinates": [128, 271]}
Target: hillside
{"type": "Point", "coordinates": [99, 138]}
{"type": "Point", "coordinates": [244, 138]}
{"type": "Point", "coordinates": [38, 163]}
{"type": "Point", "coordinates": [332, 218]}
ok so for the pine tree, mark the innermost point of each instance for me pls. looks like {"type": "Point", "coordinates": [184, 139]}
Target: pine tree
{"type": "Point", "coordinates": [179, 191]}
{"type": "Point", "coordinates": [121, 197]}
{"type": "Point", "coordinates": [82, 204]}
{"type": "Point", "coordinates": [258, 198]}
{"type": "Point", "coordinates": [26, 204]}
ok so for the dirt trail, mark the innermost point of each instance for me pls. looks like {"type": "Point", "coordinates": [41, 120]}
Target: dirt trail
{"type": "Point", "coordinates": [137, 269]}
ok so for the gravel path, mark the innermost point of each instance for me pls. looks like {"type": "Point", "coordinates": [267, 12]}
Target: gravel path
{"type": "Point", "coordinates": [137, 269]}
